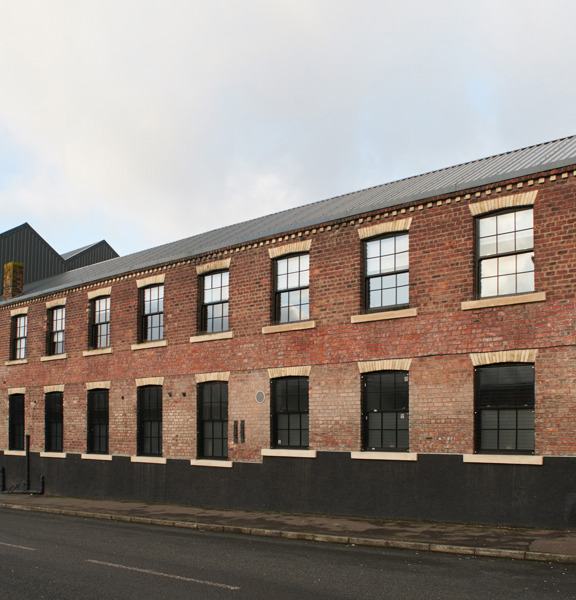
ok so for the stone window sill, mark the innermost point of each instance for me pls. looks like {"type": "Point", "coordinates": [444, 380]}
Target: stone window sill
{"type": "Point", "coordinates": [14, 452]}
{"type": "Point", "coordinates": [54, 357]}
{"type": "Point", "coordinates": [146, 345]}
{"type": "Point", "coordinates": [153, 460]}
{"type": "Point", "coordinates": [286, 453]}
{"type": "Point", "coordinates": [201, 462]}
{"type": "Point", "coordinates": [384, 315]}
{"type": "Point", "coordinates": [503, 301]}
{"type": "Point", "coordinates": [53, 454]}
{"type": "Point", "coordinates": [503, 459]}
{"type": "Point", "coordinates": [298, 326]}
{"type": "Point", "coordinates": [210, 337]}
{"type": "Point", "coordinates": [96, 457]}
{"type": "Point", "coordinates": [404, 456]}
{"type": "Point", "coordinates": [20, 361]}
{"type": "Point", "coordinates": [97, 351]}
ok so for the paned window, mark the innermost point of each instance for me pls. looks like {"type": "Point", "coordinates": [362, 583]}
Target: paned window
{"type": "Point", "coordinates": [53, 422]}
{"type": "Point", "coordinates": [152, 313]}
{"type": "Point", "coordinates": [214, 309]}
{"type": "Point", "coordinates": [56, 324]}
{"type": "Point", "coordinates": [506, 253]}
{"type": "Point", "coordinates": [289, 400]}
{"type": "Point", "coordinates": [504, 398]}
{"type": "Point", "coordinates": [19, 334]}
{"type": "Point", "coordinates": [292, 278]}
{"type": "Point", "coordinates": [387, 282]}
{"type": "Point", "coordinates": [97, 422]}
{"type": "Point", "coordinates": [213, 419]}
{"type": "Point", "coordinates": [100, 322]}
{"type": "Point", "coordinates": [385, 411]}
{"type": "Point", "coordinates": [149, 420]}
{"type": "Point", "coordinates": [16, 422]}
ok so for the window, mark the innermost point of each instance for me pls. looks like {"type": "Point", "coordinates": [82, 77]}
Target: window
{"type": "Point", "coordinates": [152, 313]}
{"type": "Point", "coordinates": [292, 279]}
{"type": "Point", "coordinates": [97, 422]}
{"type": "Point", "coordinates": [19, 333]}
{"type": "Point", "coordinates": [214, 309]}
{"type": "Point", "coordinates": [16, 422]}
{"type": "Point", "coordinates": [504, 398]}
{"type": "Point", "coordinates": [213, 419]}
{"type": "Point", "coordinates": [100, 322]}
{"type": "Point", "coordinates": [386, 272]}
{"type": "Point", "coordinates": [56, 322]}
{"type": "Point", "coordinates": [149, 420]}
{"type": "Point", "coordinates": [290, 412]}
{"type": "Point", "coordinates": [506, 253]}
{"type": "Point", "coordinates": [385, 411]}
{"type": "Point", "coordinates": [53, 422]}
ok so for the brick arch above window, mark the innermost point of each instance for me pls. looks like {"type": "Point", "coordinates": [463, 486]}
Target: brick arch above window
{"type": "Point", "coordinates": [505, 356]}
{"type": "Point", "coordinates": [206, 377]}
{"type": "Point", "coordinates": [512, 201]}
{"type": "Point", "coordinates": [217, 265]}
{"type": "Point", "coordinates": [384, 228]}
{"type": "Point", "coordinates": [295, 248]}
{"type": "Point", "coordinates": [303, 371]}
{"type": "Point", "coordinates": [149, 381]}
{"type": "Point", "coordinates": [394, 364]}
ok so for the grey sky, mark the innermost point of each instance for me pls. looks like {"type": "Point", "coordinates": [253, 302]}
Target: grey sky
{"type": "Point", "coordinates": [143, 122]}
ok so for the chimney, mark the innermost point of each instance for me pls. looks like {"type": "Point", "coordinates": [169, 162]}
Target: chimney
{"type": "Point", "coordinates": [13, 280]}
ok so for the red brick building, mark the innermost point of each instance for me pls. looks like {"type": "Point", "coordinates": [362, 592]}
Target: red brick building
{"type": "Point", "coordinates": [406, 351]}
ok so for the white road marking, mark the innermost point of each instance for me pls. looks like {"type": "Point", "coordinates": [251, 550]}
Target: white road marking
{"type": "Point", "coordinates": [149, 572]}
{"type": "Point", "coordinates": [19, 547]}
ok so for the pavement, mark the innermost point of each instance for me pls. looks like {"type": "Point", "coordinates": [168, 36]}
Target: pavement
{"type": "Point", "coordinates": [502, 542]}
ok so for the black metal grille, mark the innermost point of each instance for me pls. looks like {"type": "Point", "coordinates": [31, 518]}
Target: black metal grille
{"type": "Point", "coordinates": [149, 420]}
{"type": "Point", "coordinates": [213, 419]}
{"type": "Point", "coordinates": [214, 308]}
{"type": "Point", "coordinates": [16, 422]}
{"type": "Point", "coordinates": [387, 279]}
{"type": "Point", "coordinates": [290, 425]}
{"type": "Point", "coordinates": [385, 411]}
{"type": "Point", "coordinates": [292, 278]}
{"type": "Point", "coordinates": [504, 399]}
{"type": "Point", "coordinates": [53, 422]}
{"type": "Point", "coordinates": [100, 323]}
{"type": "Point", "coordinates": [97, 422]}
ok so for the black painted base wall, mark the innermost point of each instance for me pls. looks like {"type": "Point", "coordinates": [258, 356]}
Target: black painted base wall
{"type": "Point", "coordinates": [435, 488]}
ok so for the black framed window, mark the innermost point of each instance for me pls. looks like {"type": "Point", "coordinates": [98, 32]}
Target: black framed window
{"type": "Point", "coordinates": [387, 278]}
{"type": "Point", "coordinates": [97, 422]}
{"type": "Point", "coordinates": [100, 322]}
{"type": "Point", "coordinates": [19, 335]}
{"type": "Point", "coordinates": [292, 280]}
{"type": "Point", "coordinates": [16, 422]}
{"type": "Point", "coordinates": [290, 424]}
{"type": "Point", "coordinates": [53, 421]}
{"type": "Point", "coordinates": [152, 313]}
{"type": "Point", "coordinates": [504, 411]}
{"type": "Point", "coordinates": [505, 250]}
{"type": "Point", "coordinates": [214, 309]}
{"type": "Point", "coordinates": [56, 326]}
{"type": "Point", "coordinates": [213, 419]}
{"type": "Point", "coordinates": [385, 411]}
{"type": "Point", "coordinates": [149, 418]}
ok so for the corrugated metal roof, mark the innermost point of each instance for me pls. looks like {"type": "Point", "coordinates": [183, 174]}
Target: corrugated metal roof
{"type": "Point", "coordinates": [533, 159]}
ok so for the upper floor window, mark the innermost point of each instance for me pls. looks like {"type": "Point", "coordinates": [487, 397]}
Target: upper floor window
{"type": "Point", "coordinates": [385, 411]}
{"type": "Point", "coordinates": [214, 308]}
{"type": "Point", "coordinates": [19, 334]}
{"type": "Point", "coordinates": [292, 298]}
{"type": "Point", "coordinates": [16, 422]}
{"type": "Point", "coordinates": [506, 253]}
{"type": "Point", "coordinates": [504, 404]}
{"type": "Point", "coordinates": [97, 422]}
{"type": "Point", "coordinates": [149, 420]}
{"type": "Point", "coordinates": [386, 263]}
{"type": "Point", "coordinates": [100, 322]}
{"type": "Point", "coordinates": [290, 426]}
{"type": "Point", "coordinates": [56, 324]}
{"type": "Point", "coordinates": [213, 419]}
{"type": "Point", "coordinates": [152, 313]}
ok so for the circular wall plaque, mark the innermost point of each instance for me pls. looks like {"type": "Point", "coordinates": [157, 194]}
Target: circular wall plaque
{"type": "Point", "coordinates": [260, 397]}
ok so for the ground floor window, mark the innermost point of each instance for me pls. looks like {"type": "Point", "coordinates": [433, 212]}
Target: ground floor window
{"type": "Point", "coordinates": [149, 418]}
{"type": "Point", "coordinates": [53, 422]}
{"type": "Point", "coordinates": [213, 419]}
{"type": "Point", "coordinates": [385, 411]}
{"type": "Point", "coordinates": [16, 422]}
{"type": "Point", "coordinates": [504, 399]}
{"type": "Point", "coordinates": [97, 422]}
{"type": "Point", "coordinates": [290, 428]}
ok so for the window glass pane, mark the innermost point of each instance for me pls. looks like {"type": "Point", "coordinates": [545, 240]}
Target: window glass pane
{"type": "Point", "coordinates": [506, 285]}
{"type": "Point", "coordinates": [389, 297]}
{"type": "Point", "coordinates": [402, 295]}
{"type": "Point", "coordinates": [282, 282]}
{"type": "Point", "coordinates": [489, 287]}
{"type": "Point", "coordinates": [282, 267]}
{"type": "Point", "coordinates": [525, 419]}
{"type": "Point", "coordinates": [525, 263]}
{"type": "Point", "coordinates": [506, 243]}
{"type": "Point", "coordinates": [293, 264]}
{"type": "Point", "coordinates": [489, 419]}
{"type": "Point", "coordinates": [373, 266]}
{"type": "Point", "coordinates": [505, 222]}
{"type": "Point", "coordinates": [388, 439]}
{"type": "Point", "coordinates": [524, 240]}
{"type": "Point", "coordinates": [373, 249]}
{"type": "Point", "coordinates": [487, 226]}
{"type": "Point", "coordinates": [507, 439]}
{"type": "Point", "coordinates": [487, 246]}
{"type": "Point", "coordinates": [387, 264]}
{"type": "Point", "coordinates": [489, 440]}
{"type": "Point", "coordinates": [525, 440]}
{"type": "Point", "coordinates": [524, 219]}
{"type": "Point", "coordinates": [489, 267]}
{"type": "Point", "coordinates": [525, 283]}
{"type": "Point", "coordinates": [401, 243]}
{"type": "Point", "coordinates": [508, 419]}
